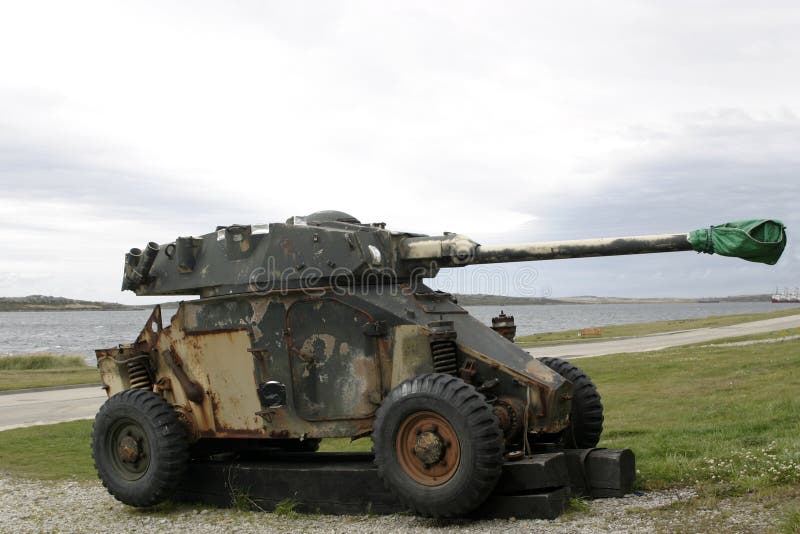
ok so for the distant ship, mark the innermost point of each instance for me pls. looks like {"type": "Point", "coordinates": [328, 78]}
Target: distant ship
{"type": "Point", "coordinates": [786, 295]}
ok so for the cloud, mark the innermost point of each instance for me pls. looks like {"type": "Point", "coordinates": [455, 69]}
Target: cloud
{"type": "Point", "coordinates": [711, 168]}
{"type": "Point", "coordinates": [122, 123]}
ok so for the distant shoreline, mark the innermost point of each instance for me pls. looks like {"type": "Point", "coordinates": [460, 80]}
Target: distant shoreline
{"type": "Point", "coordinates": [498, 300]}
{"type": "Point", "coordinates": [41, 303]}
{"type": "Point", "coordinates": [66, 309]}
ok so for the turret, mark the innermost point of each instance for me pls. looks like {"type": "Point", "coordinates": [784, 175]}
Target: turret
{"type": "Point", "coordinates": [332, 248]}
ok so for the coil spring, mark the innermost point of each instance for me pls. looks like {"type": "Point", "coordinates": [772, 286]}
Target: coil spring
{"type": "Point", "coordinates": [444, 356]}
{"type": "Point", "coordinates": [138, 375]}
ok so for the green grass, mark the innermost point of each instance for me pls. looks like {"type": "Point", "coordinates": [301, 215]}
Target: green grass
{"type": "Point", "coordinates": [48, 452]}
{"type": "Point", "coordinates": [791, 522]}
{"type": "Point", "coordinates": [240, 500]}
{"type": "Point", "coordinates": [642, 329]}
{"type": "Point", "coordinates": [720, 418]}
{"type": "Point", "coordinates": [39, 361]}
{"type": "Point", "coordinates": [776, 334]}
{"type": "Point", "coordinates": [286, 508]}
{"type": "Point", "coordinates": [345, 445]}
{"type": "Point", "coordinates": [577, 506]}
{"type": "Point", "coordinates": [43, 370]}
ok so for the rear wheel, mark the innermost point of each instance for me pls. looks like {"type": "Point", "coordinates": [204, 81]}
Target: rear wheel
{"type": "Point", "coordinates": [139, 447]}
{"type": "Point", "coordinates": [438, 445]}
{"type": "Point", "coordinates": [586, 417]}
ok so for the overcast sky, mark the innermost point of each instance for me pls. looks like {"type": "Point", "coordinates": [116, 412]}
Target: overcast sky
{"type": "Point", "coordinates": [122, 123]}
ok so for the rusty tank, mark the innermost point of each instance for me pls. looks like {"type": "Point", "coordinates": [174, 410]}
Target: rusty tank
{"type": "Point", "coordinates": [321, 327]}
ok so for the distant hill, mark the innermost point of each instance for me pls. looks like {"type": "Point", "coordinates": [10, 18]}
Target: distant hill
{"type": "Point", "coordinates": [47, 303]}
{"type": "Point", "coordinates": [499, 300]}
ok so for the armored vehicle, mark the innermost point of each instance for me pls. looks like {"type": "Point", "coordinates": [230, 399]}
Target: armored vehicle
{"type": "Point", "coordinates": [321, 327]}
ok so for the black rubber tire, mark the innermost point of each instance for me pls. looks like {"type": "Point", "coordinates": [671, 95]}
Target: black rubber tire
{"type": "Point", "coordinates": [586, 417]}
{"type": "Point", "coordinates": [479, 438]}
{"type": "Point", "coordinates": [163, 440]}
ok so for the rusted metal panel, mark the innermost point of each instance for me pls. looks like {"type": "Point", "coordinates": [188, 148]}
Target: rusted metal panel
{"type": "Point", "coordinates": [335, 365]}
{"type": "Point", "coordinates": [194, 391]}
{"type": "Point", "coordinates": [110, 376]}
{"type": "Point", "coordinates": [545, 393]}
{"type": "Point", "coordinates": [216, 315]}
{"type": "Point", "coordinates": [411, 354]}
{"type": "Point", "coordinates": [221, 363]}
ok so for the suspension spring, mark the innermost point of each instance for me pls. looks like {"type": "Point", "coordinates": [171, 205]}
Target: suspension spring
{"type": "Point", "coordinates": [139, 375]}
{"type": "Point", "coordinates": [444, 356]}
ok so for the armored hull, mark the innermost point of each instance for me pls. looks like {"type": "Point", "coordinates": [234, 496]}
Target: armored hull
{"type": "Point", "coordinates": [316, 364]}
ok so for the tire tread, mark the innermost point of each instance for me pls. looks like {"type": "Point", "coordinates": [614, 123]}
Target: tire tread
{"type": "Point", "coordinates": [586, 426]}
{"type": "Point", "coordinates": [170, 443]}
{"type": "Point", "coordinates": [483, 425]}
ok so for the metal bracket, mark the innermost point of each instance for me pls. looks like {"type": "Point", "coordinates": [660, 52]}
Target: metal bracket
{"type": "Point", "coordinates": [375, 329]}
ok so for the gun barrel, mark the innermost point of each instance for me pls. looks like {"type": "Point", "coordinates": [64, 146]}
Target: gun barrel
{"type": "Point", "coordinates": [758, 240]}
{"type": "Point", "coordinates": [582, 248]}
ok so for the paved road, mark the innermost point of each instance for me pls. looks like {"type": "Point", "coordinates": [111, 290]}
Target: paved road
{"type": "Point", "coordinates": [667, 339]}
{"type": "Point", "coordinates": [49, 406]}
{"type": "Point", "coordinates": [58, 405]}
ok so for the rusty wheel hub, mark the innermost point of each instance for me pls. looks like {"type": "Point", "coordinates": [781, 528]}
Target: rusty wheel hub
{"type": "Point", "coordinates": [428, 449]}
{"type": "Point", "coordinates": [129, 449]}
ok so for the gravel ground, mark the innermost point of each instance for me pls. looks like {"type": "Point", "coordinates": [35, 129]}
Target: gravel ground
{"type": "Point", "coordinates": [36, 506]}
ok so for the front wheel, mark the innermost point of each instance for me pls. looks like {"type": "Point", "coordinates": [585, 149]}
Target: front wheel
{"type": "Point", "coordinates": [139, 447]}
{"type": "Point", "coordinates": [438, 445]}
